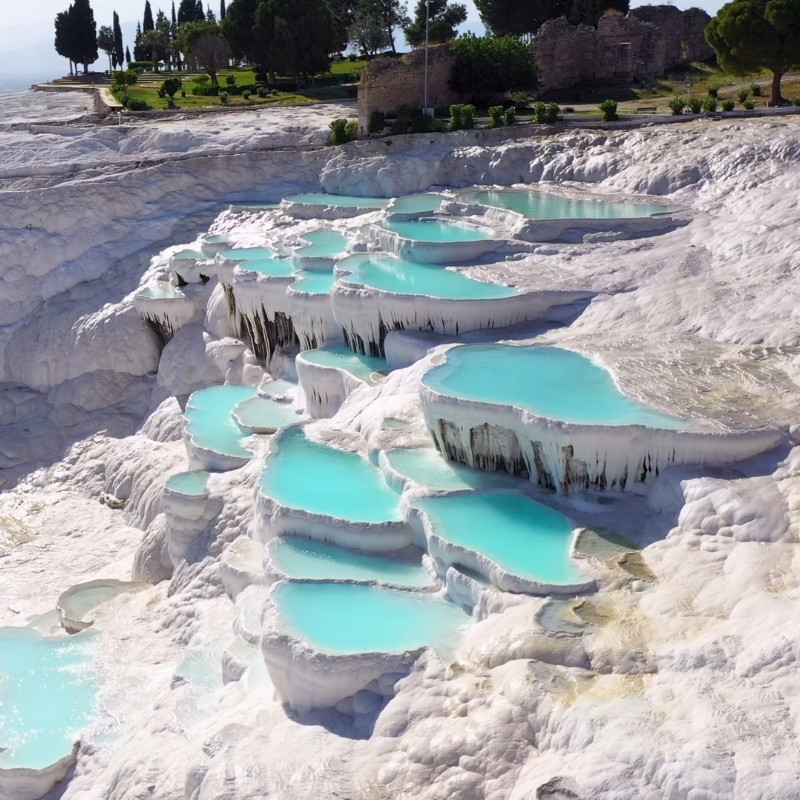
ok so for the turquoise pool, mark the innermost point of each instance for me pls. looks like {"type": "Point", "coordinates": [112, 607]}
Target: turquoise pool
{"type": "Point", "coordinates": [262, 260]}
{"type": "Point", "coordinates": [523, 537]}
{"type": "Point", "coordinates": [387, 273]}
{"type": "Point", "coordinates": [343, 358]}
{"type": "Point", "coordinates": [323, 243]}
{"type": "Point", "coordinates": [341, 200]}
{"type": "Point", "coordinates": [543, 206]}
{"type": "Point", "coordinates": [417, 204]}
{"type": "Point", "coordinates": [47, 696]}
{"type": "Point", "coordinates": [161, 291]}
{"type": "Point", "coordinates": [297, 557]}
{"type": "Point", "coordinates": [324, 480]}
{"type": "Point", "coordinates": [264, 414]}
{"type": "Point", "coordinates": [190, 484]}
{"type": "Point", "coordinates": [314, 282]}
{"type": "Point", "coordinates": [547, 381]}
{"type": "Point", "coordinates": [343, 618]}
{"type": "Point", "coordinates": [434, 230]}
{"type": "Point", "coordinates": [189, 255]}
{"type": "Point", "coordinates": [426, 466]}
{"type": "Point", "coordinates": [209, 419]}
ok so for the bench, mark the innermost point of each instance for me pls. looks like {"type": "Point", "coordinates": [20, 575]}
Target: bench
{"type": "Point", "coordinates": [648, 109]}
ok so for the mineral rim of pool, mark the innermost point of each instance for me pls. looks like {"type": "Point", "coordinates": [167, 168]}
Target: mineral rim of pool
{"type": "Point", "coordinates": [210, 422]}
{"type": "Point", "coordinates": [523, 537]}
{"type": "Point", "coordinates": [189, 484]}
{"type": "Point", "coordinates": [161, 291]}
{"type": "Point", "coordinates": [343, 358]}
{"type": "Point", "coordinates": [546, 381]}
{"type": "Point", "coordinates": [343, 200]}
{"type": "Point", "coordinates": [417, 204]}
{"type": "Point", "coordinates": [434, 230]}
{"type": "Point", "coordinates": [308, 559]}
{"type": "Point", "coordinates": [390, 274]}
{"type": "Point", "coordinates": [425, 466]}
{"type": "Point", "coordinates": [323, 480]}
{"type": "Point", "coordinates": [264, 413]}
{"type": "Point", "coordinates": [546, 206]}
{"type": "Point", "coordinates": [323, 243]}
{"type": "Point", "coordinates": [350, 618]}
{"type": "Point", "coordinates": [47, 696]}
{"type": "Point", "coordinates": [260, 259]}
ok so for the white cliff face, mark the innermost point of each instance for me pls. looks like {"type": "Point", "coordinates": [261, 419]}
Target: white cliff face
{"type": "Point", "coordinates": [678, 676]}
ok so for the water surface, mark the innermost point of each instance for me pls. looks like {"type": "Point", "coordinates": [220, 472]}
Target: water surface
{"type": "Point", "coordinates": [209, 419]}
{"type": "Point", "coordinates": [434, 230]}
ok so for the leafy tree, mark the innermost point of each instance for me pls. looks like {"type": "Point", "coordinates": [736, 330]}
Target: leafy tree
{"type": "Point", "coordinates": [238, 29]}
{"type": "Point", "coordinates": [749, 35]}
{"type": "Point", "coordinates": [367, 31]}
{"type": "Point", "coordinates": [221, 10]}
{"type": "Point", "coordinates": [297, 33]}
{"type": "Point", "coordinates": [158, 40]}
{"type": "Point", "coordinates": [147, 21]}
{"type": "Point", "coordinates": [140, 52]}
{"type": "Point", "coordinates": [210, 14]}
{"type": "Point", "coordinates": [503, 17]}
{"type": "Point", "coordinates": [393, 15]}
{"type": "Point", "coordinates": [191, 11]}
{"type": "Point", "coordinates": [119, 52]}
{"type": "Point", "coordinates": [486, 67]}
{"type": "Point", "coordinates": [205, 48]}
{"type": "Point", "coordinates": [105, 41]}
{"type": "Point", "coordinates": [442, 21]}
{"type": "Point", "coordinates": [62, 40]}
{"type": "Point", "coordinates": [170, 86]}
{"type": "Point", "coordinates": [76, 34]}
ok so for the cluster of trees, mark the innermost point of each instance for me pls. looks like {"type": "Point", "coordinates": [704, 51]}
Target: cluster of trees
{"type": "Point", "coordinates": [503, 17]}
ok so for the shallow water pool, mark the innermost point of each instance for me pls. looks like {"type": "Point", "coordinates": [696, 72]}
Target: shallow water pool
{"type": "Point", "coordinates": [387, 273]}
{"type": "Point", "coordinates": [547, 381]}
{"type": "Point", "coordinates": [434, 230]}
{"type": "Point", "coordinates": [523, 537]}
{"type": "Point", "coordinates": [314, 282]}
{"type": "Point", "coordinates": [209, 419]}
{"type": "Point", "coordinates": [297, 557]}
{"type": "Point", "coordinates": [190, 484]}
{"type": "Point", "coordinates": [47, 696]}
{"type": "Point", "coordinates": [426, 466]}
{"type": "Point", "coordinates": [323, 243]}
{"type": "Point", "coordinates": [417, 204]}
{"type": "Point", "coordinates": [343, 358]}
{"type": "Point", "coordinates": [264, 414]}
{"type": "Point", "coordinates": [353, 618]}
{"type": "Point", "coordinates": [544, 206]}
{"type": "Point", "coordinates": [161, 291]}
{"type": "Point", "coordinates": [260, 259]}
{"type": "Point", "coordinates": [323, 480]}
{"type": "Point", "coordinates": [341, 200]}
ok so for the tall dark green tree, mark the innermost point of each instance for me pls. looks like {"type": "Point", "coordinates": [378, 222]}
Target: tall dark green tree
{"type": "Point", "coordinates": [443, 19]}
{"type": "Point", "coordinates": [105, 42]}
{"type": "Point", "coordinates": [239, 30]}
{"type": "Point", "coordinates": [158, 40]}
{"type": "Point", "coordinates": [297, 33]}
{"type": "Point", "coordinates": [221, 10]}
{"type": "Point", "coordinates": [63, 41]}
{"type": "Point", "coordinates": [205, 48]}
{"type": "Point", "coordinates": [140, 52]}
{"type": "Point", "coordinates": [76, 34]}
{"type": "Point", "coordinates": [147, 20]}
{"type": "Point", "coordinates": [119, 51]}
{"type": "Point", "coordinates": [503, 17]}
{"type": "Point", "coordinates": [749, 35]}
{"type": "Point", "coordinates": [128, 56]}
{"type": "Point", "coordinates": [189, 11]}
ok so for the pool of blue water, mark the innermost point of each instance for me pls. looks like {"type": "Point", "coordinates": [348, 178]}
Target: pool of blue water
{"type": "Point", "coordinates": [191, 484]}
{"type": "Point", "coordinates": [387, 273]}
{"type": "Point", "coordinates": [343, 358]}
{"type": "Point", "coordinates": [209, 419]}
{"type": "Point", "coordinates": [522, 536]}
{"type": "Point", "coordinates": [260, 259]}
{"type": "Point", "coordinates": [417, 204]}
{"type": "Point", "coordinates": [323, 480]}
{"type": "Point", "coordinates": [323, 243]}
{"type": "Point", "coordinates": [344, 200]}
{"type": "Point", "coordinates": [547, 381]}
{"type": "Point", "coordinates": [345, 618]}
{"type": "Point", "coordinates": [47, 696]}
{"type": "Point", "coordinates": [297, 557]}
{"type": "Point", "coordinates": [161, 291]}
{"type": "Point", "coordinates": [544, 206]}
{"type": "Point", "coordinates": [314, 282]}
{"type": "Point", "coordinates": [433, 230]}
{"type": "Point", "coordinates": [264, 414]}
{"type": "Point", "coordinates": [426, 466]}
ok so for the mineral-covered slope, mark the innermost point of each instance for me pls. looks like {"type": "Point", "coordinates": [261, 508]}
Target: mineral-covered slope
{"type": "Point", "coordinates": [677, 679]}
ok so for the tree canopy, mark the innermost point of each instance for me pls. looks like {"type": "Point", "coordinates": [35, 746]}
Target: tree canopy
{"type": "Point", "coordinates": [749, 35]}
{"type": "Point", "coordinates": [443, 19]}
{"type": "Point", "coordinates": [503, 17]}
{"type": "Point", "coordinates": [191, 11]}
{"type": "Point", "coordinates": [119, 52]}
{"type": "Point", "coordinates": [76, 34]}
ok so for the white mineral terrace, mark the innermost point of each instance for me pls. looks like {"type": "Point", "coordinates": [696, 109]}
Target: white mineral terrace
{"type": "Point", "coordinates": [673, 675]}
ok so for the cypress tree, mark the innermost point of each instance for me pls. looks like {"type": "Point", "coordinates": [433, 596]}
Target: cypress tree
{"type": "Point", "coordinates": [127, 55]}
{"type": "Point", "coordinates": [119, 52]}
{"type": "Point", "coordinates": [147, 22]}
{"type": "Point", "coordinates": [83, 33]}
{"type": "Point", "coordinates": [221, 10]}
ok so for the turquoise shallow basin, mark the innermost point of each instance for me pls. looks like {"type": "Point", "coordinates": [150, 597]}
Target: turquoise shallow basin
{"type": "Point", "coordinates": [314, 282]}
{"type": "Point", "coordinates": [343, 358]}
{"type": "Point", "coordinates": [344, 200]}
{"type": "Point", "coordinates": [161, 291]}
{"type": "Point", "coordinates": [426, 466]}
{"type": "Point", "coordinates": [323, 243]}
{"type": "Point", "coordinates": [547, 381]}
{"type": "Point", "coordinates": [345, 618]}
{"type": "Point", "coordinates": [323, 480]}
{"type": "Point", "coordinates": [523, 537]}
{"type": "Point", "coordinates": [209, 419]}
{"type": "Point", "coordinates": [297, 557]}
{"type": "Point", "coordinates": [543, 206]}
{"type": "Point", "coordinates": [387, 273]}
{"type": "Point", "coordinates": [262, 413]}
{"type": "Point", "coordinates": [190, 484]}
{"type": "Point", "coordinates": [47, 696]}
{"type": "Point", "coordinates": [432, 230]}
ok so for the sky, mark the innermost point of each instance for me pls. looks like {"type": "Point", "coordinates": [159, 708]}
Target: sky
{"type": "Point", "coordinates": [26, 32]}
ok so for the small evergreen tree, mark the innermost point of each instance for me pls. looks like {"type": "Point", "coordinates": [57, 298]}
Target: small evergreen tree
{"type": "Point", "coordinates": [442, 20]}
{"type": "Point", "coordinates": [147, 21]}
{"type": "Point", "coordinates": [221, 10]}
{"type": "Point", "coordinates": [119, 52]}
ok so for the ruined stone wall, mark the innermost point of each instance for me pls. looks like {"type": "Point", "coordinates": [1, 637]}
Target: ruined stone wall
{"type": "Point", "coordinates": [387, 83]}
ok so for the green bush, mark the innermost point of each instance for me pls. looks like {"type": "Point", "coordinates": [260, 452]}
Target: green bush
{"type": "Point", "coordinates": [402, 124]}
{"type": "Point", "coordinates": [496, 113]}
{"type": "Point", "coordinates": [140, 66]}
{"type": "Point", "coordinates": [456, 117]}
{"type": "Point", "coordinates": [171, 85]}
{"type": "Point", "coordinates": [246, 94]}
{"type": "Point", "coordinates": [510, 115]}
{"type": "Point", "coordinates": [343, 130]}
{"type": "Point", "coordinates": [223, 97]}
{"type": "Point", "coordinates": [742, 95]}
{"type": "Point", "coordinates": [202, 80]}
{"type": "Point", "coordinates": [262, 91]}
{"type": "Point", "coordinates": [727, 105]}
{"type": "Point", "coordinates": [467, 116]}
{"type": "Point", "coordinates": [713, 91]}
{"type": "Point", "coordinates": [125, 78]}
{"type": "Point", "coordinates": [695, 105]}
{"type": "Point", "coordinates": [205, 91]}
{"type": "Point", "coordinates": [608, 108]}
{"type": "Point", "coordinates": [710, 104]}
{"type": "Point", "coordinates": [122, 96]}
{"type": "Point", "coordinates": [676, 105]}
{"type": "Point", "coordinates": [796, 101]}
{"type": "Point", "coordinates": [755, 90]}
{"type": "Point", "coordinates": [138, 105]}
{"type": "Point", "coordinates": [421, 123]}
{"type": "Point", "coordinates": [230, 80]}
{"type": "Point", "coordinates": [377, 122]}
{"type": "Point", "coordinates": [748, 105]}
